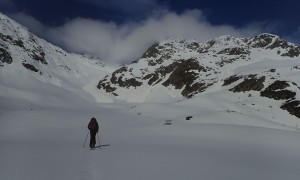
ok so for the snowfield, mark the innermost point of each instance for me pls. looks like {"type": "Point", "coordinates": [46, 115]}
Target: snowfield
{"type": "Point", "coordinates": [221, 141]}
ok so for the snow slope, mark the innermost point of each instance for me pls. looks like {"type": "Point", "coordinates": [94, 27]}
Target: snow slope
{"type": "Point", "coordinates": [188, 67]}
{"type": "Point", "coordinates": [30, 65]}
{"type": "Point", "coordinates": [47, 144]}
{"type": "Point", "coordinates": [44, 117]}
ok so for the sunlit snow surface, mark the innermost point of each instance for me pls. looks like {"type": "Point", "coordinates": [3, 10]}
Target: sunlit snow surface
{"type": "Point", "coordinates": [229, 137]}
{"type": "Point", "coordinates": [47, 143]}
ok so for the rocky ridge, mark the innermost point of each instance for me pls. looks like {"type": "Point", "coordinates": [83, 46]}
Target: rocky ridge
{"type": "Point", "coordinates": [22, 51]}
{"type": "Point", "coordinates": [187, 68]}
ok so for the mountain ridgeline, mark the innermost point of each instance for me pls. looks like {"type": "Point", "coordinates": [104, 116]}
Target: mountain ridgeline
{"type": "Point", "coordinates": [265, 64]}
{"type": "Point", "coordinates": [23, 52]}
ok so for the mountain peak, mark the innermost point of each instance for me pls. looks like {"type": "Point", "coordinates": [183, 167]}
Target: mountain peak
{"type": "Point", "coordinates": [22, 51]}
{"type": "Point", "coordinates": [189, 67]}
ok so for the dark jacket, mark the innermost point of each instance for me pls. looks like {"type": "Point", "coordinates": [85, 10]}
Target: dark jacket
{"type": "Point", "coordinates": [93, 125]}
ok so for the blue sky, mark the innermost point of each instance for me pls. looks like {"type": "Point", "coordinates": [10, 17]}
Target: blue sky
{"type": "Point", "coordinates": [120, 31]}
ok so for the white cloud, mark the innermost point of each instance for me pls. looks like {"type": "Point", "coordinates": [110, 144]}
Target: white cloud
{"type": "Point", "coordinates": [127, 42]}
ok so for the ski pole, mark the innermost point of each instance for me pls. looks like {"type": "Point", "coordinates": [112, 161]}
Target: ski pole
{"type": "Point", "coordinates": [85, 139]}
{"type": "Point", "coordinates": [98, 140]}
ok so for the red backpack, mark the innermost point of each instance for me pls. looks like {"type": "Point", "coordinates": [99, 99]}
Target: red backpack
{"type": "Point", "coordinates": [93, 126]}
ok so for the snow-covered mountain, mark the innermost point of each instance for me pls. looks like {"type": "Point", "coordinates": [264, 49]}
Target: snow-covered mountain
{"type": "Point", "coordinates": [174, 69]}
{"type": "Point", "coordinates": [262, 67]}
{"type": "Point", "coordinates": [206, 110]}
{"type": "Point", "coordinates": [29, 65]}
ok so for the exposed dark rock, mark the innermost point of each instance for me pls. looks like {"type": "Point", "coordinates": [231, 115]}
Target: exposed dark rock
{"type": "Point", "coordinates": [211, 43]}
{"type": "Point", "coordinates": [265, 41]}
{"type": "Point", "coordinates": [115, 94]}
{"type": "Point", "coordinates": [154, 78]}
{"type": "Point", "coordinates": [148, 76]}
{"type": "Point", "coordinates": [231, 80]}
{"type": "Point", "coordinates": [189, 91]}
{"type": "Point", "coordinates": [129, 83]}
{"type": "Point", "coordinates": [234, 51]}
{"type": "Point", "coordinates": [277, 85]}
{"type": "Point", "coordinates": [32, 39]}
{"type": "Point", "coordinates": [207, 46]}
{"type": "Point", "coordinates": [188, 118]}
{"type": "Point", "coordinates": [114, 78]}
{"type": "Point", "coordinates": [106, 86]}
{"type": "Point", "coordinates": [279, 43]}
{"type": "Point", "coordinates": [250, 84]}
{"type": "Point", "coordinates": [121, 70]}
{"type": "Point", "coordinates": [275, 91]}
{"type": "Point", "coordinates": [10, 39]}
{"type": "Point", "coordinates": [193, 46]}
{"type": "Point", "coordinates": [262, 40]}
{"type": "Point", "coordinates": [292, 107]}
{"type": "Point", "coordinates": [152, 63]}
{"type": "Point", "coordinates": [159, 61]}
{"type": "Point", "coordinates": [30, 67]}
{"type": "Point", "coordinates": [278, 95]}
{"type": "Point", "coordinates": [226, 61]}
{"type": "Point", "coordinates": [39, 55]}
{"type": "Point", "coordinates": [125, 83]}
{"type": "Point", "coordinates": [164, 70]}
{"type": "Point", "coordinates": [19, 43]}
{"type": "Point", "coordinates": [152, 51]}
{"type": "Point", "coordinates": [293, 52]}
{"type": "Point", "coordinates": [5, 57]}
{"type": "Point", "coordinates": [117, 78]}
{"type": "Point", "coordinates": [6, 38]}
{"type": "Point", "coordinates": [272, 70]}
{"type": "Point", "coordinates": [183, 73]}
{"type": "Point", "coordinates": [160, 72]}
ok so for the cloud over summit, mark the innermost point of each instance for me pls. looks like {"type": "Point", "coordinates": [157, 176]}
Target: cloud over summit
{"type": "Point", "coordinates": [123, 43]}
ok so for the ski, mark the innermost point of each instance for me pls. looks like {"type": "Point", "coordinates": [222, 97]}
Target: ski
{"type": "Point", "coordinates": [103, 145]}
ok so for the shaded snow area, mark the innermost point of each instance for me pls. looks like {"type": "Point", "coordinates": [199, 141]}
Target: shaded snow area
{"type": "Point", "coordinates": [222, 140]}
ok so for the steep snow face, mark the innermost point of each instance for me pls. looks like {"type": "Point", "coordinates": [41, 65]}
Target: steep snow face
{"type": "Point", "coordinates": [30, 65]}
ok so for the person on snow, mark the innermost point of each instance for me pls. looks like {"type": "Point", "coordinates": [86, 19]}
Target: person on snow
{"type": "Point", "coordinates": [93, 127]}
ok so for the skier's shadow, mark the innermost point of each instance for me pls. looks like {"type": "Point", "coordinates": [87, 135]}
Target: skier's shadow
{"type": "Point", "coordinates": [102, 145]}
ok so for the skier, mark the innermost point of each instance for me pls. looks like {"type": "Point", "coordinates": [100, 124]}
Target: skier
{"type": "Point", "coordinates": [93, 127]}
